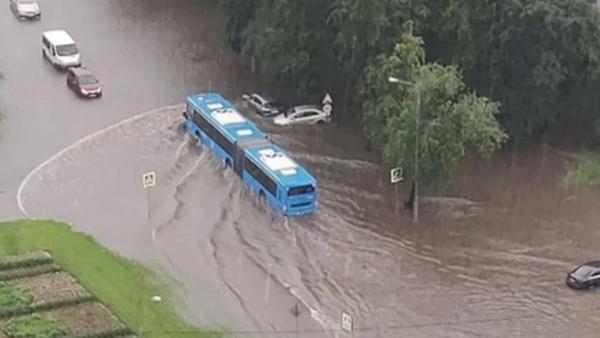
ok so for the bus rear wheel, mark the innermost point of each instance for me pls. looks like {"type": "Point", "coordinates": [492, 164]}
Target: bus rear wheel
{"type": "Point", "coordinates": [228, 163]}
{"type": "Point", "coordinates": [261, 195]}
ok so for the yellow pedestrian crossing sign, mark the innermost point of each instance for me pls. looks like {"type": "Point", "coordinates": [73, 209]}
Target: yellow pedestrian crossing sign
{"type": "Point", "coordinates": [149, 179]}
{"type": "Point", "coordinates": [396, 175]}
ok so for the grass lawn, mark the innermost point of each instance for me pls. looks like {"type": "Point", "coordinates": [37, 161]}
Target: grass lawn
{"type": "Point", "coordinates": [584, 171]}
{"type": "Point", "coordinates": [122, 285]}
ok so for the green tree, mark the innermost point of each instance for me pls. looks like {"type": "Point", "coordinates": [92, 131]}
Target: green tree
{"type": "Point", "coordinates": [239, 13]}
{"type": "Point", "coordinates": [381, 98]}
{"type": "Point", "coordinates": [364, 30]}
{"type": "Point", "coordinates": [453, 122]}
{"type": "Point", "coordinates": [290, 43]}
{"type": "Point", "coordinates": [316, 47]}
{"type": "Point", "coordinates": [536, 57]}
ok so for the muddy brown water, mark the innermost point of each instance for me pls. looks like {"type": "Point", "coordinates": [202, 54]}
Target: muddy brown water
{"type": "Point", "coordinates": [493, 268]}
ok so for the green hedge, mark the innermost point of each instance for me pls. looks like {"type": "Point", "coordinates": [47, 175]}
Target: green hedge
{"type": "Point", "coordinates": [63, 302]}
{"type": "Point", "coordinates": [25, 261]}
{"type": "Point", "coordinates": [35, 326]}
{"type": "Point", "coordinates": [25, 310]}
{"type": "Point", "coordinates": [11, 274]}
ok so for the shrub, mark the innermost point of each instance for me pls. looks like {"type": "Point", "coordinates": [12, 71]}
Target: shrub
{"type": "Point", "coordinates": [35, 326]}
{"type": "Point", "coordinates": [28, 272]}
{"type": "Point", "coordinates": [585, 171]}
{"type": "Point", "coordinates": [13, 296]}
{"type": "Point", "coordinates": [25, 261]}
{"type": "Point", "coordinates": [63, 302]}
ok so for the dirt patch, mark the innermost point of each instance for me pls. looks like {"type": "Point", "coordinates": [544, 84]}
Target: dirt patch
{"type": "Point", "coordinates": [2, 335]}
{"type": "Point", "coordinates": [53, 287]}
{"type": "Point", "coordinates": [86, 318]}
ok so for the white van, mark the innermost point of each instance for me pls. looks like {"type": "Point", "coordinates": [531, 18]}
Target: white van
{"type": "Point", "coordinates": [60, 49]}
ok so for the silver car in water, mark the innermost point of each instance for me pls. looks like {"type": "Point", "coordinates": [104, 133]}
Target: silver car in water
{"type": "Point", "coordinates": [26, 9]}
{"type": "Point", "coordinates": [308, 114]}
{"type": "Point", "coordinates": [263, 105]}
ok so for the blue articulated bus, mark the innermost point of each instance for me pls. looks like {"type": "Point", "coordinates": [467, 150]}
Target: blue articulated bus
{"type": "Point", "coordinates": [263, 166]}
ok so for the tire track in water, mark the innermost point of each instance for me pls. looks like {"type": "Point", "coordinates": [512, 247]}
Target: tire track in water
{"type": "Point", "coordinates": [221, 264]}
{"type": "Point", "coordinates": [178, 197]}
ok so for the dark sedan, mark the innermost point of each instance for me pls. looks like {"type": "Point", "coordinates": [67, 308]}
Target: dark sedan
{"type": "Point", "coordinates": [585, 276]}
{"type": "Point", "coordinates": [83, 82]}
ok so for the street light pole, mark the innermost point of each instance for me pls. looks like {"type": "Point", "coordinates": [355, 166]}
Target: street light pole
{"type": "Point", "coordinates": [416, 201]}
{"type": "Point", "coordinates": [417, 132]}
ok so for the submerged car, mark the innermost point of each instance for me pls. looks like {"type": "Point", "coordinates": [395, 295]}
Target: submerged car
{"type": "Point", "coordinates": [585, 276]}
{"type": "Point", "coordinates": [83, 82]}
{"type": "Point", "coordinates": [263, 105]}
{"type": "Point", "coordinates": [26, 9]}
{"type": "Point", "coordinates": [308, 114]}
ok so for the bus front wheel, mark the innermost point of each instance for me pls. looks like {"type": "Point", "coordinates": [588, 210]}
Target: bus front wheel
{"type": "Point", "coordinates": [228, 163]}
{"type": "Point", "coordinates": [262, 195]}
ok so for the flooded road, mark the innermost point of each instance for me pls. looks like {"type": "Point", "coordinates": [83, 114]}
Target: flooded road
{"type": "Point", "coordinates": [494, 268]}
{"type": "Point", "coordinates": [147, 54]}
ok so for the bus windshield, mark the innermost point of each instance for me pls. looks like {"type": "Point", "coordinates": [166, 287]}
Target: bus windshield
{"type": "Point", "coordinates": [301, 190]}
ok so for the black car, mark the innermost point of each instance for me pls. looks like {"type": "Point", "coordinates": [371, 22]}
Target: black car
{"type": "Point", "coordinates": [264, 106]}
{"type": "Point", "coordinates": [585, 276]}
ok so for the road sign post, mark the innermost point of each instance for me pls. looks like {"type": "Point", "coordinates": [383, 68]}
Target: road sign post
{"type": "Point", "coordinates": [347, 322]}
{"type": "Point", "coordinates": [296, 313]}
{"type": "Point", "coordinates": [327, 105]}
{"type": "Point", "coordinates": [396, 176]}
{"type": "Point", "coordinates": [148, 181]}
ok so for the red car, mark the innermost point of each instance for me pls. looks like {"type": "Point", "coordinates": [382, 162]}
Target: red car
{"type": "Point", "coordinates": [83, 82]}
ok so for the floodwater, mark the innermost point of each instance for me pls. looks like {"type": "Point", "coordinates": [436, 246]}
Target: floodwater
{"type": "Point", "coordinates": [491, 268]}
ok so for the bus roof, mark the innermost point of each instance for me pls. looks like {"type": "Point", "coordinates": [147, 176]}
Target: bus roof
{"type": "Point", "coordinates": [223, 114]}
{"type": "Point", "coordinates": [273, 160]}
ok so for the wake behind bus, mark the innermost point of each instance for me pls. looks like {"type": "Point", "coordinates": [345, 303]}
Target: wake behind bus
{"type": "Point", "coordinates": [263, 166]}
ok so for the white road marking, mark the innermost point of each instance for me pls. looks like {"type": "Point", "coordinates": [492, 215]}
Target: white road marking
{"type": "Point", "coordinates": [100, 132]}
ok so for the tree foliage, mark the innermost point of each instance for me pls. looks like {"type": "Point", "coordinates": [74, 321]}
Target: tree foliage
{"type": "Point", "coordinates": [434, 108]}
{"type": "Point", "coordinates": [239, 13]}
{"type": "Point", "coordinates": [314, 46]}
{"type": "Point", "coordinates": [538, 58]}
{"type": "Point", "coordinates": [534, 56]}
{"type": "Point", "coordinates": [288, 39]}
